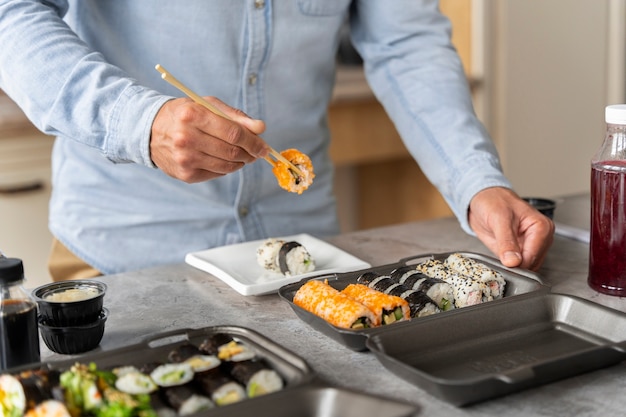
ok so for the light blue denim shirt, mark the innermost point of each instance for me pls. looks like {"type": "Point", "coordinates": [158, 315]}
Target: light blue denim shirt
{"type": "Point", "coordinates": [83, 71]}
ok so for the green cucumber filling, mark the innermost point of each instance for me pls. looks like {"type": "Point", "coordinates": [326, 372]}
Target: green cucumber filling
{"type": "Point", "coordinates": [360, 323]}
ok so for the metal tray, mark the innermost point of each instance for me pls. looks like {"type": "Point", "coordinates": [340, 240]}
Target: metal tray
{"type": "Point", "coordinates": [473, 355]}
{"type": "Point", "coordinates": [519, 282]}
{"type": "Point", "coordinates": [294, 370]}
{"type": "Point", "coordinates": [304, 393]}
{"type": "Point", "coordinates": [319, 401]}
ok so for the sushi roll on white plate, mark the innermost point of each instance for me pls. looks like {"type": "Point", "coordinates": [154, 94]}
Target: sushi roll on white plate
{"type": "Point", "coordinates": [286, 258]}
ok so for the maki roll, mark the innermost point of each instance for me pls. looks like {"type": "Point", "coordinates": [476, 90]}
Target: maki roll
{"type": "Point", "coordinates": [478, 271]}
{"type": "Point", "coordinates": [287, 258]}
{"type": "Point", "coordinates": [258, 377]}
{"type": "Point", "coordinates": [388, 308]}
{"type": "Point", "coordinates": [467, 291]}
{"type": "Point", "coordinates": [135, 382]}
{"type": "Point", "coordinates": [12, 396]}
{"type": "Point", "coordinates": [420, 304]}
{"type": "Point", "coordinates": [186, 399]}
{"type": "Point", "coordinates": [183, 352]}
{"type": "Point", "coordinates": [220, 387]}
{"type": "Point", "coordinates": [40, 385]}
{"type": "Point", "coordinates": [401, 273]}
{"type": "Point", "coordinates": [211, 345]}
{"type": "Point", "coordinates": [171, 374]}
{"type": "Point", "coordinates": [48, 408]}
{"type": "Point", "coordinates": [201, 363]}
{"type": "Point", "coordinates": [336, 308]}
{"type": "Point", "coordinates": [437, 289]}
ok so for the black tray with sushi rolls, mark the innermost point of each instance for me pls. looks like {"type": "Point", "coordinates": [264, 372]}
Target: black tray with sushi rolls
{"type": "Point", "coordinates": [428, 297]}
{"type": "Point", "coordinates": [212, 371]}
{"type": "Point", "coordinates": [519, 338]}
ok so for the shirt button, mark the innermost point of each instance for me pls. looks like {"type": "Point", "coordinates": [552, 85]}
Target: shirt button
{"type": "Point", "coordinates": [243, 211]}
{"type": "Point", "coordinates": [259, 4]}
{"type": "Point", "coordinates": [252, 79]}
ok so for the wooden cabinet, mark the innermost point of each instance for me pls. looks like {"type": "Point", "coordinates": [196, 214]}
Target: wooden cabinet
{"type": "Point", "coordinates": [378, 182]}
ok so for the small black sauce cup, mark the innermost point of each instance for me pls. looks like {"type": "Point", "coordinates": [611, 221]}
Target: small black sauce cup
{"type": "Point", "coordinates": [70, 313]}
{"type": "Point", "coordinates": [543, 205]}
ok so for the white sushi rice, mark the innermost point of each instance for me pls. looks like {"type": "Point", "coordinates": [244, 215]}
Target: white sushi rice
{"type": "Point", "coordinates": [194, 404]}
{"type": "Point", "coordinates": [229, 393]}
{"type": "Point", "coordinates": [201, 363]}
{"type": "Point", "coordinates": [299, 261]}
{"type": "Point", "coordinates": [49, 408]}
{"type": "Point", "coordinates": [135, 382]}
{"type": "Point", "coordinates": [171, 374]}
{"type": "Point", "coordinates": [267, 254]}
{"type": "Point", "coordinates": [264, 382]}
{"type": "Point", "coordinates": [13, 402]}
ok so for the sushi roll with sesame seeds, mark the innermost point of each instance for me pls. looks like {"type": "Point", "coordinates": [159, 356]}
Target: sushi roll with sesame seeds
{"type": "Point", "coordinates": [286, 258]}
{"type": "Point", "coordinates": [467, 291]}
{"type": "Point", "coordinates": [478, 271]}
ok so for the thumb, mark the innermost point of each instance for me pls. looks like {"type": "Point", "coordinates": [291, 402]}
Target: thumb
{"type": "Point", "coordinates": [508, 248]}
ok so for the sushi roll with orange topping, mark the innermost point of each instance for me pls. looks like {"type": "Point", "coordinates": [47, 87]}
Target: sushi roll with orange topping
{"type": "Point", "coordinates": [388, 308]}
{"type": "Point", "coordinates": [336, 308]}
{"type": "Point", "coordinates": [290, 180]}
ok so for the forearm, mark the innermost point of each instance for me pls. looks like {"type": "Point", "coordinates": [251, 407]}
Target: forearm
{"type": "Point", "coordinates": [67, 89]}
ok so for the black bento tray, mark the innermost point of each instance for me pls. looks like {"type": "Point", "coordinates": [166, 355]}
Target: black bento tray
{"type": "Point", "coordinates": [467, 355]}
{"type": "Point", "coordinates": [481, 354]}
{"type": "Point", "coordinates": [304, 393]}
{"type": "Point", "coordinates": [518, 282]}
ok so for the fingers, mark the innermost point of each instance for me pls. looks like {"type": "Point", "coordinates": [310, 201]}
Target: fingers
{"type": "Point", "coordinates": [515, 232]}
{"type": "Point", "coordinates": [238, 116]}
{"type": "Point", "coordinates": [192, 144]}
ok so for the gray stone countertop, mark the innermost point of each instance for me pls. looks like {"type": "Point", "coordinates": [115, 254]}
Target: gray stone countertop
{"type": "Point", "coordinates": [150, 301]}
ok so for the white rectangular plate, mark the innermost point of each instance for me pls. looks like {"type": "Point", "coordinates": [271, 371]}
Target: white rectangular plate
{"type": "Point", "coordinates": [237, 266]}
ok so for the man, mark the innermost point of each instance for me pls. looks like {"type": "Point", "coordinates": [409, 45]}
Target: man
{"type": "Point", "coordinates": [141, 178]}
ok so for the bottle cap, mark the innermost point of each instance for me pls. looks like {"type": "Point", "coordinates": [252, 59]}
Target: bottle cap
{"type": "Point", "coordinates": [615, 114]}
{"type": "Point", "coordinates": [11, 270]}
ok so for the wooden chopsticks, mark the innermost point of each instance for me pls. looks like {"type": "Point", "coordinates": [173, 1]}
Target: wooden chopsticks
{"type": "Point", "coordinates": [167, 76]}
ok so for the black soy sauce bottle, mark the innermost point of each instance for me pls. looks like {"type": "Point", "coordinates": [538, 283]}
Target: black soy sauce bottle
{"type": "Point", "coordinates": [19, 335]}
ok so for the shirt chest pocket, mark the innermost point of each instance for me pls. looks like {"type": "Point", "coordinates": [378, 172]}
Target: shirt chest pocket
{"type": "Point", "coordinates": [323, 7]}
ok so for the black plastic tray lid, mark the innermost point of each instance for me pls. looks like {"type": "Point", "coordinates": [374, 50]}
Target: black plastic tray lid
{"type": "Point", "coordinates": [478, 354]}
{"type": "Point", "coordinates": [519, 282]}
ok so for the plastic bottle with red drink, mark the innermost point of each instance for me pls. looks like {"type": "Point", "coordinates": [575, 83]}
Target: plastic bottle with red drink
{"type": "Point", "coordinates": [607, 247]}
{"type": "Point", "coordinates": [19, 333]}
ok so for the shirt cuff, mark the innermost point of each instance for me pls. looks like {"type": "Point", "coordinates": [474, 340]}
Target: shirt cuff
{"type": "Point", "coordinates": [130, 126]}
